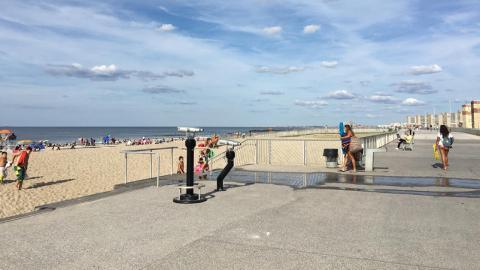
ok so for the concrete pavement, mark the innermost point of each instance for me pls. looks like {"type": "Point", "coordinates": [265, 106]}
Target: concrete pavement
{"type": "Point", "coordinates": [464, 160]}
{"type": "Point", "coordinates": [256, 226]}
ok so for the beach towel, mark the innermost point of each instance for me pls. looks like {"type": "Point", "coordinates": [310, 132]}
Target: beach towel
{"type": "Point", "coordinates": [341, 129]}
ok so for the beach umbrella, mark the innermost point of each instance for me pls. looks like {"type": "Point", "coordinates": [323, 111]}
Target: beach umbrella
{"type": "Point", "coordinates": [24, 141]}
{"type": "Point", "coordinates": [5, 131]}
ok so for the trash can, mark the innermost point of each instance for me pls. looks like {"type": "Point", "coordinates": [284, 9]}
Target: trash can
{"type": "Point", "coordinates": [331, 157]}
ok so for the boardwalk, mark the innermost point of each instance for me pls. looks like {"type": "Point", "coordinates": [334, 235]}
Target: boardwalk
{"type": "Point", "coordinates": [464, 158]}
{"type": "Point", "coordinates": [256, 226]}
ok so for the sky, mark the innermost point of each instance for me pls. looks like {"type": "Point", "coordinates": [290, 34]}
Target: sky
{"type": "Point", "coordinates": [234, 63]}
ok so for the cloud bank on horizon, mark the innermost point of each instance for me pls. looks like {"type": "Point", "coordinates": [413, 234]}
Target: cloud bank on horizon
{"type": "Point", "coordinates": [214, 63]}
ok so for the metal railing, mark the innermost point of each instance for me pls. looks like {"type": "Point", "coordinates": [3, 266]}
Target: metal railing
{"type": "Point", "coordinates": [292, 151]}
{"type": "Point", "coordinates": [152, 152]}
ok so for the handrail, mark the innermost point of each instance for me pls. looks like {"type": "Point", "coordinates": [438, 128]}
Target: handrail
{"type": "Point", "coordinates": [148, 150]}
{"type": "Point", "coordinates": [151, 153]}
{"type": "Point", "coordinates": [265, 150]}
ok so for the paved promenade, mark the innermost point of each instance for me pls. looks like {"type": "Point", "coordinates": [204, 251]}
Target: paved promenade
{"type": "Point", "coordinates": [256, 226]}
{"type": "Point", "coordinates": [464, 160]}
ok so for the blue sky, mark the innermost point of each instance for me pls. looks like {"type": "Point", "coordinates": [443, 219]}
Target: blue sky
{"type": "Point", "coordinates": [234, 63]}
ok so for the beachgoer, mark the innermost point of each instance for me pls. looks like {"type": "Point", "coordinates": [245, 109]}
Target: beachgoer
{"type": "Point", "coordinates": [208, 155]}
{"type": "Point", "coordinates": [21, 165]}
{"type": "Point", "coordinates": [444, 143]}
{"type": "Point", "coordinates": [200, 169]}
{"type": "Point", "coordinates": [180, 166]}
{"type": "Point", "coordinates": [3, 166]}
{"type": "Point", "coordinates": [407, 139]}
{"type": "Point", "coordinates": [346, 145]}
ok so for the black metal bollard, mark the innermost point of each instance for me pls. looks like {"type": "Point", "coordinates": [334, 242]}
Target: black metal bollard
{"type": "Point", "coordinates": [230, 162]}
{"type": "Point", "coordinates": [190, 196]}
{"type": "Point", "coordinates": [190, 143]}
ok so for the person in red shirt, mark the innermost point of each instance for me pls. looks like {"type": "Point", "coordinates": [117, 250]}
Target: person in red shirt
{"type": "Point", "coordinates": [21, 165]}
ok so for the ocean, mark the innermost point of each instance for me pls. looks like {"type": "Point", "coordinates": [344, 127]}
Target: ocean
{"type": "Point", "coordinates": [71, 134]}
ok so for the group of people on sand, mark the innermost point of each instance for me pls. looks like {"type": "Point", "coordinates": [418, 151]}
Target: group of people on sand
{"type": "Point", "coordinates": [147, 141]}
{"type": "Point", "coordinates": [202, 167]}
{"type": "Point", "coordinates": [206, 154]}
{"type": "Point", "coordinates": [20, 165]}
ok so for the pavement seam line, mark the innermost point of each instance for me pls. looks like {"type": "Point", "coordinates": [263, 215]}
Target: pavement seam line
{"type": "Point", "coordinates": [327, 254]}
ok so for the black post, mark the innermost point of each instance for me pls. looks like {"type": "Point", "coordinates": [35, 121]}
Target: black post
{"type": "Point", "coordinates": [190, 144]}
{"type": "Point", "coordinates": [189, 196]}
{"type": "Point", "coordinates": [230, 162]}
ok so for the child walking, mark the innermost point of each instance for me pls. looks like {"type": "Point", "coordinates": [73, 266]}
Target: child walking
{"type": "Point", "coordinates": [21, 165]}
{"type": "Point", "coordinates": [180, 166]}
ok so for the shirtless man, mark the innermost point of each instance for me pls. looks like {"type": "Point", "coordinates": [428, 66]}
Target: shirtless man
{"type": "Point", "coordinates": [22, 165]}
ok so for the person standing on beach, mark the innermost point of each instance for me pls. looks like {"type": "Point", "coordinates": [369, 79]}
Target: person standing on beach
{"type": "Point", "coordinates": [21, 165]}
{"type": "Point", "coordinates": [3, 166]}
{"type": "Point", "coordinates": [444, 143]}
{"type": "Point", "coordinates": [180, 166]}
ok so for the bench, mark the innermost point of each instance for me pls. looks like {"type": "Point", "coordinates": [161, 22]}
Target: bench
{"type": "Point", "coordinates": [197, 186]}
{"type": "Point", "coordinates": [369, 158]}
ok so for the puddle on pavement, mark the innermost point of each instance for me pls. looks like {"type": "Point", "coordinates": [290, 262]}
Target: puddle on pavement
{"type": "Point", "coordinates": [319, 181]}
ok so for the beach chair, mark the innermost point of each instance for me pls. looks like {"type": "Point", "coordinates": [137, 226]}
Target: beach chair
{"type": "Point", "coordinates": [409, 145]}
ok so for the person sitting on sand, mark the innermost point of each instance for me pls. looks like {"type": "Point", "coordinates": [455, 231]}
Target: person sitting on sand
{"type": "Point", "coordinates": [180, 166]}
{"type": "Point", "coordinates": [21, 165]}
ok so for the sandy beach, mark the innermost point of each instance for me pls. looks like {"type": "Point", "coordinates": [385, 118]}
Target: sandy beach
{"type": "Point", "coordinates": [55, 176]}
{"type": "Point", "coordinates": [70, 173]}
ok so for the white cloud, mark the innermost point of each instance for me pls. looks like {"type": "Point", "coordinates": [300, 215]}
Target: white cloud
{"type": "Point", "coordinates": [166, 27]}
{"type": "Point", "coordinates": [415, 87]}
{"type": "Point", "coordinates": [341, 94]}
{"type": "Point", "coordinates": [421, 70]}
{"type": "Point", "coordinates": [103, 69]}
{"type": "Point", "coordinates": [279, 70]}
{"type": "Point", "coordinates": [412, 102]}
{"type": "Point", "coordinates": [161, 89]}
{"type": "Point", "coordinates": [111, 72]}
{"type": "Point", "coordinates": [314, 104]}
{"type": "Point", "coordinates": [273, 30]}
{"type": "Point", "coordinates": [311, 28]}
{"type": "Point", "coordinates": [272, 93]}
{"type": "Point", "coordinates": [386, 99]}
{"type": "Point", "coordinates": [329, 64]}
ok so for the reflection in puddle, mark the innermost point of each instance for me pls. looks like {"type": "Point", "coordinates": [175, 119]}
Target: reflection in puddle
{"type": "Point", "coordinates": [318, 180]}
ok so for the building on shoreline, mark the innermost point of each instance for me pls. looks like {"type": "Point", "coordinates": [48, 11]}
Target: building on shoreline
{"type": "Point", "coordinates": [475, 111]}
{"type": "Point", "coordinates": [467, 117]}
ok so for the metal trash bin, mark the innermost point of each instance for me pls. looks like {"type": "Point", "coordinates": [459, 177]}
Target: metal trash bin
{"type": "Point", "coordinates": [331, 157]}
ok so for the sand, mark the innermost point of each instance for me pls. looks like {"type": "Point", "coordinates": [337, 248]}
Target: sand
{"type": "Point", "coordinates": [71, 173]}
